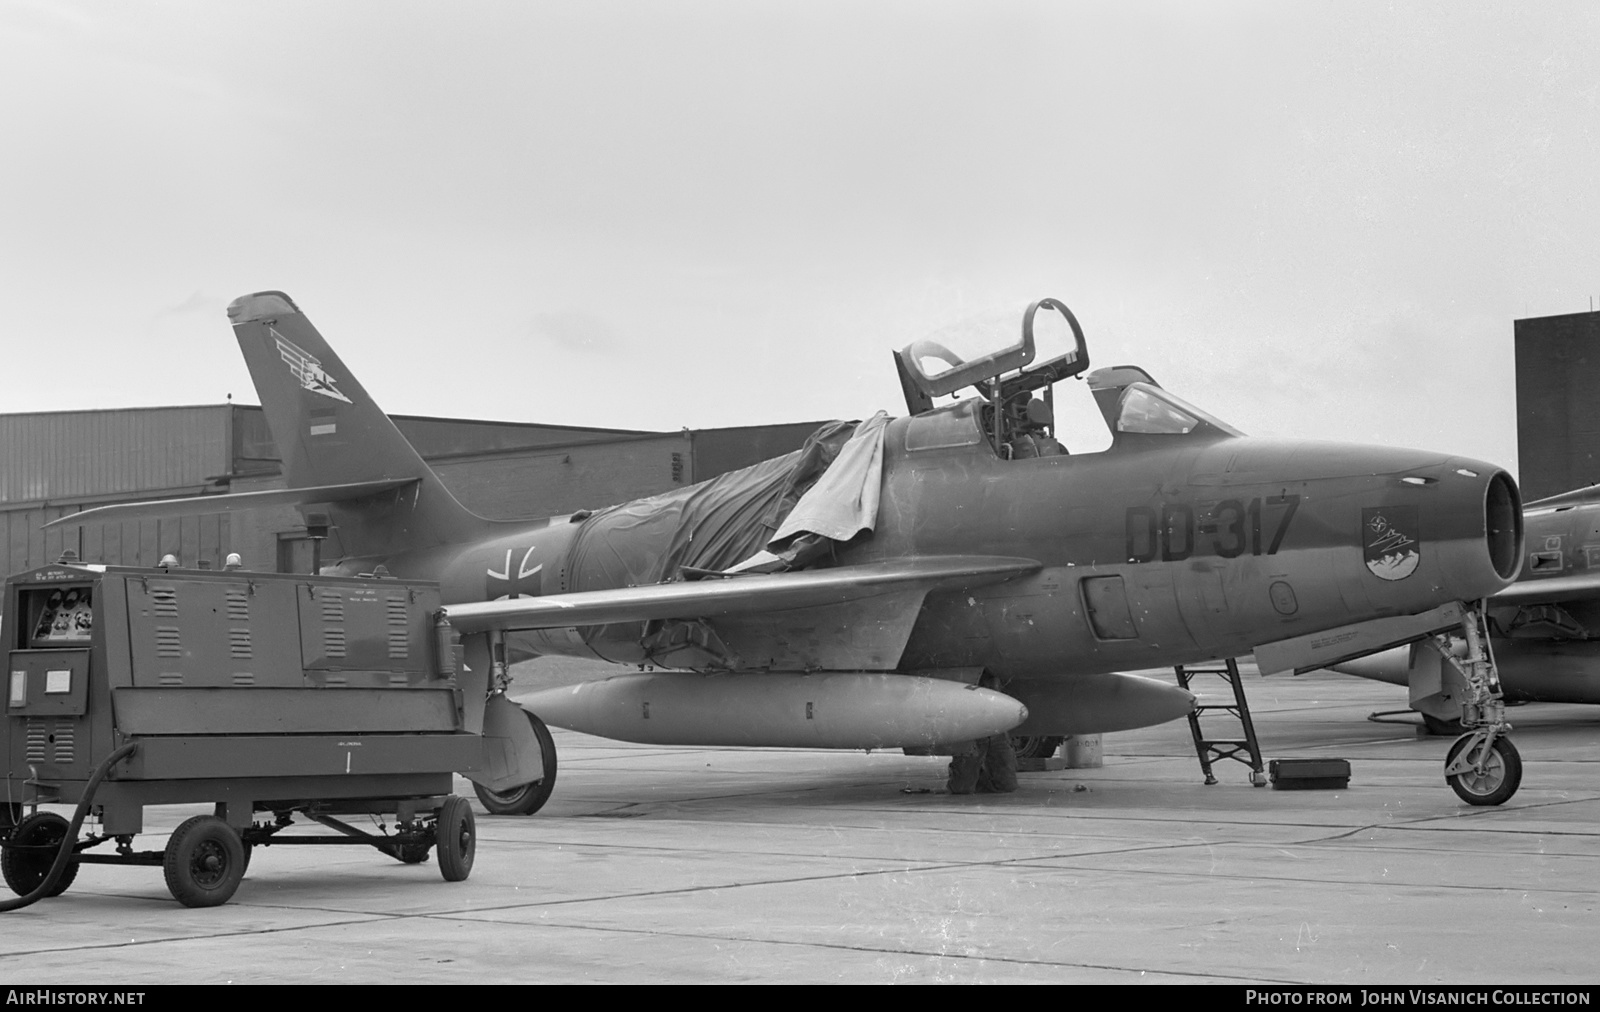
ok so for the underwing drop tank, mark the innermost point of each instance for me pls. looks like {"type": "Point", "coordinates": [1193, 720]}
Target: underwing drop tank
{"type": "Point", "coordinates": [818, 710]}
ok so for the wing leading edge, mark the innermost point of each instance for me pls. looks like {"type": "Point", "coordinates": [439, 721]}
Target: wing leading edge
{"type": "Point", "coordinates": [738, 595]}
{"type": "Point", "coordinates": [1550, 589]}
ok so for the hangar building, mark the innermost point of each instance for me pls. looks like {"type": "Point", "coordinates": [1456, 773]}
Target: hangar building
{"type": "Point", "coordinates": [1558, 403]}
{"type": "Point", "coordinates": [54, 463]}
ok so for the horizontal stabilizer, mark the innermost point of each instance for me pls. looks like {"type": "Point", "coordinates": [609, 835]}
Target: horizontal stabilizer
{"type": "Point", "coordinates": [203, 504]}
{"type": "Point", "coordinates": [736, 595]}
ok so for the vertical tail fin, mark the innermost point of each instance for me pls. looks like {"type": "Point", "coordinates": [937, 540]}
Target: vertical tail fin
{"type": "Point", "coordinates": [330, 432]}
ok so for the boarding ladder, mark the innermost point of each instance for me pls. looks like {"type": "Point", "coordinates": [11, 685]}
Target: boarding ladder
{"type": "Point", "coordinates": [1245, 749]}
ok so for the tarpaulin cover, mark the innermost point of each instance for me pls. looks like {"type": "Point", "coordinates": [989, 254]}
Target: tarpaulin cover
{"type": "Point", "coordinates": [829, 487]}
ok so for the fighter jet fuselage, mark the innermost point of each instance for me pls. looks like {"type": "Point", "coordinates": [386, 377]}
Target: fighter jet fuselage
{"type": "Point", "coordinates": [1164, 549]}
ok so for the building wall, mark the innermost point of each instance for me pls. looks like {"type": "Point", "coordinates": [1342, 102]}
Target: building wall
{"type": "Point", "coordinates": [65, 462]}
{"type": "Point", "coordinates": [1558, 403]}
{"type": "Point", "coordinates": [25, 545]}
{"type": "Point", "coordinates": [79, 454]}
{"type": "Point", "coordinates": [718, 451]}
{"type": "Point", "coordinates": [544, 483]}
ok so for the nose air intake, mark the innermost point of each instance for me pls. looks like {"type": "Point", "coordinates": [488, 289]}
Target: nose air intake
{"type": "Point", "coordinates": [1502, 525]}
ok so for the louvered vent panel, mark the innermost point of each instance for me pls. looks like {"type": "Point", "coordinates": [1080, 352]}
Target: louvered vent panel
{"type": "Point", "coordinates": [164, 601]}
{"type": "Point", "coordinates": [170, 678]}
{"type": "Point", "coordinates": [244, 678]}
{"type": "Point", "coordinates": [169, 642]}
{"type": "Point", "coordinates": [399, 642]}
{"type": "Point", "coordinates": [64, 752]}
{"type": "Point", "coordinates": [239, 642]}
{"type": "Point", "coordinates": [333, 641]}
{"type": "Point", "coordinates": [238, 605]}
{"type": "Point", "coordinates": [38, 736]}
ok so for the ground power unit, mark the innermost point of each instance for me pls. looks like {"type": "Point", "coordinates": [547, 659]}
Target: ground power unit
{"type": "Point", "coordinates": [271, 697]}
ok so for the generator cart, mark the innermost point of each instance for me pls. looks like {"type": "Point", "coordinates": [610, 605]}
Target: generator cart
{"type": "Point", "coordinates": [272, 697]}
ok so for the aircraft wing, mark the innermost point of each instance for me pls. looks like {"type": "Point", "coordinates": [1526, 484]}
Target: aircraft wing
{"type": "Point", "coordinates": [1577, 497]}
{"type": "Point", "coordinates": [1582, 584]}
{"type": "Point", "coordinates": [202, 504]}
{"type": "Point", "coordinates": [737, 595]}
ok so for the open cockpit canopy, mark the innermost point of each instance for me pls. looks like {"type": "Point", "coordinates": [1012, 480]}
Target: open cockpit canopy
{"type": "Point", "coordinates": [1017, 409]}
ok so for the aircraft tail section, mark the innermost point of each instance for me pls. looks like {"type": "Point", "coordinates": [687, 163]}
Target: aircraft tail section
{"type": "Point", "coordinates": [329, 432]}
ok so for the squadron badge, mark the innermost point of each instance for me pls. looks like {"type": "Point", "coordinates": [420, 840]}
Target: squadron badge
{"type": "Point", "coordinates": [307, 369]}
{"type": "Point", "coordinates": [1391, 540]}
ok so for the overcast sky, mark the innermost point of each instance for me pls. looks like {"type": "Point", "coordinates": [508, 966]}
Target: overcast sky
{"type": "Point", "coordinates": [1312, 219]}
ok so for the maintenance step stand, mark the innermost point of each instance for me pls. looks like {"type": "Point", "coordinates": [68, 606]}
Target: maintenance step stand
{"type": "Point", "coordinates": [1246, 750]}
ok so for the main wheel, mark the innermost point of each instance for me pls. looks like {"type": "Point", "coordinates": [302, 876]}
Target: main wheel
{"type": "Point", "coordinates": [457, 839]}
{"type": "Point", "coordinates": [1036, 746]}
{"type": "Point", "coordinates": [528, 798]}
{"type": "Point", "coordinates": [204, 863]}
{"type": "Point", "coordinates": [1501, 776]}
{"type": "Point", "coordinates": [41, 833]}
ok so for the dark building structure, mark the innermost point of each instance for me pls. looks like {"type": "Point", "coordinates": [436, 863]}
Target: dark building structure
{"type": "Point", "coordinates": [1558, 403]}
{"type": "Point", "coordinates": [54, 463]}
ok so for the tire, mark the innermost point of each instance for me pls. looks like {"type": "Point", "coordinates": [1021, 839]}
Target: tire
{"type": "Point", "coordinates": [1036, 746]}
{"type": "Point", "coordinates": [528, 798]}
{"type": "Point", "coordinates": [456, 836]}
{"type": "Point", "coordinates": [204, 862]}
{"type": "Point", "coordinates": [1501, 777]}
{"type": "Point", "coordinates": [25, 869]}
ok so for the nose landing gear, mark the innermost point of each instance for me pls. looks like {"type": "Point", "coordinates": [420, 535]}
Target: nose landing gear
{"type": "Point", "coordinates": [1482, 766]}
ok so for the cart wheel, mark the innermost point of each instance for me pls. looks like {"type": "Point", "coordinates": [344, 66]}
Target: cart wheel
{"type": "Point", "coordinates": [528, 798]}
{"type": "Point", "coordinates": [1036, 746]}
{"type": "Point", "coordinates": [25, 869]}
{"type": "Point", "coordinates": [1501, 776]}
{"type": "Point", "coordinates": [457, 838]}
{"type": "Point", "coordinates": [204, 862]}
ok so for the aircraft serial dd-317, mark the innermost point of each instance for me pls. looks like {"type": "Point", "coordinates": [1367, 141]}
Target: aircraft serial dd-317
{"type": "Point", "coordinates": [854, 593]}
{"type": "Point", "coordinates": [1544, 629]}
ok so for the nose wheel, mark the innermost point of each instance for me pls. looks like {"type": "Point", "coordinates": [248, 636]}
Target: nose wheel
{"type": "Point", "coordinates": [1483, 770]}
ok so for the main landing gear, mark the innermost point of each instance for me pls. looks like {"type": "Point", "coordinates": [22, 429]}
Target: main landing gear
{"type": "Point", "coordinates": [1482, 766]}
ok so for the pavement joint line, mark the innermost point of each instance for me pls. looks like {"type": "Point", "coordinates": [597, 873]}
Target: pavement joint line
{"type": "Point", "coordinates": [244, 933]}
{"type": "Point", "coordinates": [919, 953]}
{"type": "Point", "coordinates": [1384, 884]}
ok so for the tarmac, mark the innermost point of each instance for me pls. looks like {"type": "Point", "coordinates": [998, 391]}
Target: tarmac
{"type": "Point", "coordinates": [695, 865]}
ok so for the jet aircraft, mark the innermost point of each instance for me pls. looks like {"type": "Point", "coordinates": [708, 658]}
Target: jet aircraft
{"type": "Point", "coordinates": [1544, 629]}
{"type": "Point", "coordinates": [852, 594]}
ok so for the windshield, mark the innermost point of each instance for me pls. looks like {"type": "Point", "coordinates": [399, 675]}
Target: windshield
{"type": "Point", "coordinates": [1150, 410]}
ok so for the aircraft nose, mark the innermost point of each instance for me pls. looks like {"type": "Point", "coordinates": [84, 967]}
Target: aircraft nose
{"type": "Point", "coordinates": [1472, 514]}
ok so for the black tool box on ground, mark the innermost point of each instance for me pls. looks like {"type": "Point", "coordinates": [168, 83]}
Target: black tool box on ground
{"type": "Point", "coordinates": [1308, 774]}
